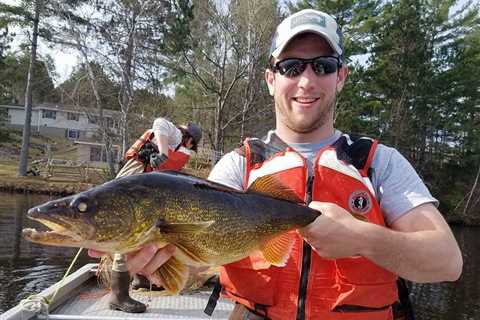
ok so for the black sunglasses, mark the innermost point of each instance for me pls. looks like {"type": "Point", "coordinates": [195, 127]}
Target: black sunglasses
{"type": "Point", "coordinates": [293, 67]}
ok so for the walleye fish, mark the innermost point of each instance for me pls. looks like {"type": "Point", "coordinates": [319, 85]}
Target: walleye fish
{"type": "Point", "coordinates": [210, 224]}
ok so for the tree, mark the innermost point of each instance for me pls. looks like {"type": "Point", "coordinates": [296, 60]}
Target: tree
{"type": "Point", "coordinates": [5, 37]}
{"type": "Point", "coordinates": [124, 37]}
{"type": "Point", "coordinates": [23, 164]}
{"type": "Point", "coordinates": [13, 77]}
{"type": "Point", "coordinates": [222, 61]}
{"type": "Point", "coordinates": [29, 14]}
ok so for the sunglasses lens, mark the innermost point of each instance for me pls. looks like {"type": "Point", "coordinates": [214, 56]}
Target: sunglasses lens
{"type": "Point", "coordinates": [324, 65]}
{"type": "Point", "coordinates": [291, 67]}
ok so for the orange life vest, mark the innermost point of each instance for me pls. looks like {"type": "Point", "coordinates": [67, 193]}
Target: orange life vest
{"type": "Point", "coordinates": [176, 158]}
{"type": "Point", "coordinates": [309, 286]}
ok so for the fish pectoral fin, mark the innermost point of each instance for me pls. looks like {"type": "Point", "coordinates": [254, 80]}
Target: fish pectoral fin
{"type": "Point", "coordinates": [182, 228]}
{"type": "Point", "coordinates": [277, 250]}
{"type": "Point", "coordinates": [189, 254]}
{"type": "Point", "coordinates": [272, 186]}
{"type": "Point", "coordinates": [174, 275]}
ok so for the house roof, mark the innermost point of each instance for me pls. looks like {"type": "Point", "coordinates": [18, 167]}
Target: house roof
{"type": "Point", "coordinates": [57, 107]}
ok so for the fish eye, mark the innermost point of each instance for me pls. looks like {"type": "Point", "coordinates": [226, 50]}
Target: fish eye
{"type": "Point", "coordinates": [81, 204]}
{"type": "Point", "coordinates": [82, 207]}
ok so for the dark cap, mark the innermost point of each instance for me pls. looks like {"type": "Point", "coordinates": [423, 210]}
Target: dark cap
{"type": "Point", "coordinates": [193, 131]}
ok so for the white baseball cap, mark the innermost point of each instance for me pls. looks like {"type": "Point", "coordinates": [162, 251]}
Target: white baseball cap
{"type": "Point", "coordinates": [307, 20]}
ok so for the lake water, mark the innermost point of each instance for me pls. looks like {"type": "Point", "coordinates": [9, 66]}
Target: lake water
{"type": "Point", "coordinates": [27, 268]}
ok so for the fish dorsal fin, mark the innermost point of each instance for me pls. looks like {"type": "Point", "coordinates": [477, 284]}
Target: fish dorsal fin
{"type": "Point", "coordinates": [174, 275]}
{"type": "Point", "coordinates": [277, 250]}
{"type": "Point", "coordinates": [270, 185]}
{"type": "Point", "coordinates": [182, 227]}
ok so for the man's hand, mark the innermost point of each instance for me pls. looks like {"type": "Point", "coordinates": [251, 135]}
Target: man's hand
{"type": "Point", "coordinates": [156, 160]}
{"type": "Point", "coordinates": [145, 261]}
{"type": "Point", "coordinates": [419, 246]}
{"type": "Point", "coordinates": [335, 233]}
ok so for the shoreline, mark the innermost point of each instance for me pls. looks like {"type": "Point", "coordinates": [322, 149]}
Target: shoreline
{"type": "Point", "coordinates": [39, 185]}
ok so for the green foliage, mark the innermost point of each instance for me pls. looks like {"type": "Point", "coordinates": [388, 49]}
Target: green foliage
{"type": "Point", "coordinates": [13, 77]}
{"type": "Point", "coordinates": [77, 91]}
{"type": "Point", "coordinates": [418, 87]}
{"type": "Point", "coordinates": [4, 133]}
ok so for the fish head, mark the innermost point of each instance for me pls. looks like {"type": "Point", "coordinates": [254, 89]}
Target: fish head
{"type": "Point", "coordinates": [101, 218]}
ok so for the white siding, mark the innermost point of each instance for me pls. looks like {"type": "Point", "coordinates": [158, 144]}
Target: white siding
{"type": "Point", "coordinates": [61, 121]}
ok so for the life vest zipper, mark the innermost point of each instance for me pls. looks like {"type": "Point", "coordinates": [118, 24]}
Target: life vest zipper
{"type": "Point", "coordinates": [306, 258]}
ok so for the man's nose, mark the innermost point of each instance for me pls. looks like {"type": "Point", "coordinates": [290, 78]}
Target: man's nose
{"type": "Point", "coordinates": [308, 78]}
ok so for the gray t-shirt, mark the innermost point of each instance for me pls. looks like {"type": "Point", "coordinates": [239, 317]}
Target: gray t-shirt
{"type": "Point", "coordinates": [397, 185]}
{"type": "Point", "coordinates": [162, 126]}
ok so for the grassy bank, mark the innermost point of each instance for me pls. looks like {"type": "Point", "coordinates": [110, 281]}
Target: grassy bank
{"type": "Point", "coordinates": [9, 181]}
{"type": "Point", "coordinates": [53, 181]}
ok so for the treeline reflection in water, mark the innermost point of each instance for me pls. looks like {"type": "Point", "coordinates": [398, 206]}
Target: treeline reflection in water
{"type": "Point", "coordinates": [27, 268]}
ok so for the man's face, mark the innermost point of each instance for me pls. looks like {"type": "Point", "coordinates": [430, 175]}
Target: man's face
{"type": "Point", "coordinates": [304, 105]}
{"type": "Point", "coordinates": [188, 143]}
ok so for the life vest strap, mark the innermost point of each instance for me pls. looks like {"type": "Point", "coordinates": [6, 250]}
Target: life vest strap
{"type": "Point", "coordinates": [212, 301]}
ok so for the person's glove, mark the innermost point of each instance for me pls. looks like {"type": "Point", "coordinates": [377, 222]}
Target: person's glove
{"type": "Point", "coordinates": [156, 160]}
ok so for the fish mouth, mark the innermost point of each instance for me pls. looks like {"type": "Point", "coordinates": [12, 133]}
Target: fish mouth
{"type": "Point", "coordinates": [62, 231]}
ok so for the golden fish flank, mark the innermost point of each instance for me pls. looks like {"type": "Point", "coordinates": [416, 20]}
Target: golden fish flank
{"type": "Point", "coordinates": [210, 224]}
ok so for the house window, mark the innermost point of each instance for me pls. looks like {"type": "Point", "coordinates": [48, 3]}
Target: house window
{"type": "Point", "coordinates": [96, 153]}
{"type": "Point", "coordinates": [73, 134]}
{"type": "Point", "coordinates": [49, 114]}
{"type": "Point", "coordinates": [73, 116]}
{"type": "Point", "coordinates": [110, 123]}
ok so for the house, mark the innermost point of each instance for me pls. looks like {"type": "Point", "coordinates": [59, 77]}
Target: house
{"type": "Point", "coordinates": [79, 125]}
{"type": "Point", "coordinates": [59, 121]}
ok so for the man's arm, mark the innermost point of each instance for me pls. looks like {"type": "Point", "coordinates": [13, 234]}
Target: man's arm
{"type": "Point", "coordinates": [162, 143]}
{"type": "Point", "coordinates": [165, 134]}
{"type": "Point", "coordinates": [419, 246]}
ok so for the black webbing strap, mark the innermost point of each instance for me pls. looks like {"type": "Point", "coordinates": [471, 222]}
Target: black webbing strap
{"type": "Point", "coordinates": [212, 301]}
{"type": "Point", "coordinates": [404, 297]}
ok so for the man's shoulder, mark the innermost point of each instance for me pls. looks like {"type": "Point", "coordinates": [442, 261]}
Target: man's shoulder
{"type": "Point", "coordinates": [229, 170]}
{"type": "Point", "coordinates": [384, 152]}
{"type": "Point", "coordinates": [163, 121]}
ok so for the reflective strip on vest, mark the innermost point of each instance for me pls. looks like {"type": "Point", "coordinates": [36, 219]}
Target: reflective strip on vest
{"type": "Point", "coordinates": [329, 159]}
{"type": "Point", "coordinates": [288, 160]}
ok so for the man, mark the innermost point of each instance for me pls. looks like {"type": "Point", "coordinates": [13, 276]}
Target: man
{"type": "Point", "coordinates": [378, 220]}
{"type": "Point", "coordinates": [164, 147]}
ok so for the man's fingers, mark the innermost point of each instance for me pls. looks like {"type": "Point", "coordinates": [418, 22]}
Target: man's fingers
{"type": "Point", "coordinates": [137, 261]}
{"type": "Point", "coordinates": [149, 259]}
{"type": "Point", "coordinates": [96, 254]}
{"type": "Point", "coordinates": [320, 206]}
{"type": "Point", "coordinates": [160, 257]}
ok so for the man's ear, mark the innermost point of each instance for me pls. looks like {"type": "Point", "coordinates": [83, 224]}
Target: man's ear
{"type": "Point", "coordinates": [270, 79]}
{"type": "Point", "coordinates": [342, 75]}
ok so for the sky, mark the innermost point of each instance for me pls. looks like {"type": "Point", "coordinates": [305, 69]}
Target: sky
{"type": "Point", "coordinates": [65, 60]}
